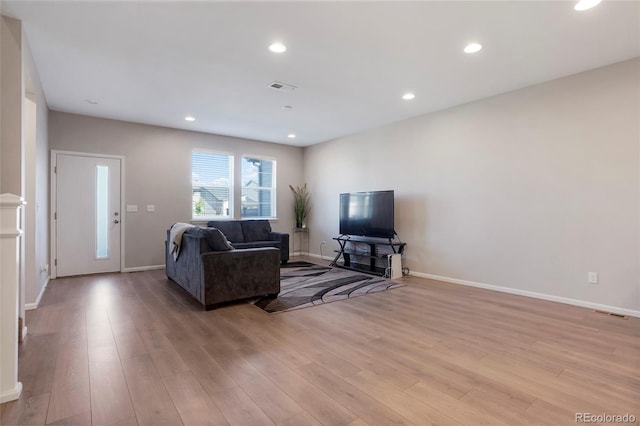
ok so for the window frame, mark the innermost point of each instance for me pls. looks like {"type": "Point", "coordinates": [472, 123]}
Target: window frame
{"type": "Point", "coordinates": [272, 188]}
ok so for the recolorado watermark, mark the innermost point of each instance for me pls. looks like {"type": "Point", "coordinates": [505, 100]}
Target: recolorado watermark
{"type": "Point", "coordinates": [605, 418]}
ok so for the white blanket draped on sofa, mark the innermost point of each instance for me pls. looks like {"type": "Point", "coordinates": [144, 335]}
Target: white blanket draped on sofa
{"type": "Point", "coordinates": [175, 237]}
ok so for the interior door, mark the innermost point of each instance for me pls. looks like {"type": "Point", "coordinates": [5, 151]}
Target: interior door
{"type": "Point", "coordinates": [87, 214]}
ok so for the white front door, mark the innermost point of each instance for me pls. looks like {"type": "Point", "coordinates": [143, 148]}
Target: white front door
{"type": "Point", "coordinates": [87, 214]}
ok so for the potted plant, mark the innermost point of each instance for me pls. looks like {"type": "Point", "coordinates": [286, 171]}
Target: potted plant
{"type": "Point", "coordinates": [301, 204]}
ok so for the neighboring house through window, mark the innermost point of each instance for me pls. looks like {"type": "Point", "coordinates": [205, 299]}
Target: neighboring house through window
{"type": "Point", "coordinates": [258, 188]}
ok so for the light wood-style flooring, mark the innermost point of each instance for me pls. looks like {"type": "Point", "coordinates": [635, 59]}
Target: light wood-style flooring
{"type": "Point", "coordinates": [127, 349]}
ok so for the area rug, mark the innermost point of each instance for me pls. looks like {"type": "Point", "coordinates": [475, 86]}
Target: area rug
{"type": "Point", "coordinates": [303, 284]}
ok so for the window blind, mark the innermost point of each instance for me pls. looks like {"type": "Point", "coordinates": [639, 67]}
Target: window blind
{"type": "Point", "coordinates": [212, 185]}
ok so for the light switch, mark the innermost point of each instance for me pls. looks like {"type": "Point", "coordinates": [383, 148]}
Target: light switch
{"type": "Point", "coordinates": [151, 207]}
{"type": "Point", "coordinates": [132, 208]}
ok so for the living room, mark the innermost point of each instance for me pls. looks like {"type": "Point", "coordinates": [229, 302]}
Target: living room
{"type": "Point", "coordinates": [524, 191]}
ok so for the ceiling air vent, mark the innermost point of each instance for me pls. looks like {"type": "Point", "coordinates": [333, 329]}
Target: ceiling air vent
{"type": "Point", "coordinates": [283, 87]}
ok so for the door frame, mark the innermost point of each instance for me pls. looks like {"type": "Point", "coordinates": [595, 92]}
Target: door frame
{"type": "Point", "coordinates": [54, 199]}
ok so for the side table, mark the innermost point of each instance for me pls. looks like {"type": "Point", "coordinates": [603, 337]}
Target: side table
{"type": "Point", "coordinates": [301, 233]}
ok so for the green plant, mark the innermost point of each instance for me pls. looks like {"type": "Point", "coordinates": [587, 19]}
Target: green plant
{"type": "Point", "coordinates": [199, 206]}
{"type": "Point", "coordinates": [301, 203]}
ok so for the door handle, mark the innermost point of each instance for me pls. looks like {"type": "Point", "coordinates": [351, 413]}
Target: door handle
{"type": "Point", "coordinates": [116, 221]}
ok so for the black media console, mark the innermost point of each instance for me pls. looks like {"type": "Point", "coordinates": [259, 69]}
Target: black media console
{"type": "Point", "coordinates": [367, 249]}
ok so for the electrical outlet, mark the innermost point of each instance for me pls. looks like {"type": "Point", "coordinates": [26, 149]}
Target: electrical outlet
{"type": "Point", "coordinates": [151, 207]}
{"type": "Point", "coordinates": [592, 278]}
{"type": "Point", "coordinates": [132, 208]}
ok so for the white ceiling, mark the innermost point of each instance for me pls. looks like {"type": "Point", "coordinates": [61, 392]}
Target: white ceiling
{"type": "Point", "coordinates": [155, 62]}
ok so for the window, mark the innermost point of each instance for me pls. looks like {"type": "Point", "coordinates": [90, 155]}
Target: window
{"type": "Point", "coordinates": [102, 212]}
{"type": "Point", "coordinates": [258, 188]}
{"type": "Point", "coordinates": [212, 185]}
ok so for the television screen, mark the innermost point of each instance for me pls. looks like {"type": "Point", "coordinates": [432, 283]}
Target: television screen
{"type": "Point", "coordinates": [368, 214]}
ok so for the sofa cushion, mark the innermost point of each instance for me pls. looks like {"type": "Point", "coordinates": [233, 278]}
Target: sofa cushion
{"type": "Point", "coordinates": [231, 229]}
{"type": "Point", "coordinates": [256, 230]}
{"type": "Point", "coordinates": [257, 244]}
{"type": "Point", "coordinates": [211, 239]}
{"type": "Point", "coordinates": [250, 231]}
{"type": "Point", "coordinates": [216, 239]}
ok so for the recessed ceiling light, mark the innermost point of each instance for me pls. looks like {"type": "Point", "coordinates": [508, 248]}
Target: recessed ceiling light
{"type": "Point", "coordinates": [586, 4]}
{"type": "Point", "coordinates": [291, 135]}
{"type": "Point", "coordinates": [473, 48]}
{"type": "Point", "coordinates": [91, 101]}
{"type": "Point", "coordinates": [278, 48]}
{"type": "Point", "coordinates": [408, 96]}
{"type": "Point", "coordinates": [190, 118]}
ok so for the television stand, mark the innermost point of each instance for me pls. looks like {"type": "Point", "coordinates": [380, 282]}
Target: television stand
{"type": "Point", "coordinates": [352, 249]}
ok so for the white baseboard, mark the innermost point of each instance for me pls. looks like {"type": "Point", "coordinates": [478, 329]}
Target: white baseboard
{"type": "Point", "coordinates": [317, 256]}
{"type": "Point", "coordinates": [32, 306]}
{"type": "Point", "coordinates": [543, 296]}
{"type": "Point", "coordinates": [11, 395]}
{"type": "Point", "coordinates": [143, 268]}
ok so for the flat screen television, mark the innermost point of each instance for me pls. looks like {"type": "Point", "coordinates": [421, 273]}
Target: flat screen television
{"type": "Point", "coordinates": [367, 214]}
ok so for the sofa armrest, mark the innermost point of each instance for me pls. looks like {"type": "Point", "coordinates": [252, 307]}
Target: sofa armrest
{"type": "Point", "coordinates": [185, 271]}
{"type": "Point", "coordinates": [237, 274]}
{"type": "Point", "coordinates": [283, 239]}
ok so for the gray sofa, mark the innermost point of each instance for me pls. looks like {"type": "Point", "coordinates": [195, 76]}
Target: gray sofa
{"type": "Point", "coordinates": [244, 234]}
{"type": "Point", "coordinates": [215, 274]}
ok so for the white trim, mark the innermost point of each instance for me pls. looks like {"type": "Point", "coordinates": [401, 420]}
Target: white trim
{"type": "Point", "coordinates": [10, 270]}
{"type": "Point", "coordinates": [543, 296]}
{"type": "Point", "coordinates": [317, 256]}
{"type": "Point", "coordinates": [32, 306]}
{"type": "Point", "coordinates": [143, 268]}
{"type": "Point", "coordinates": [11, 202]}
{"type": "Point", "coordinates": [10, 233]}
{"type": "Point", "coordinates": [11, 395]}
{"type": "Point", "coordinates": [86, 154]}
{"type": "Point", "coordinates": [260, 157]}
{"type": "Point", "coordinates": [52, 210]}
{"type": "Point", "coordinates": [201, 222]}
{"type": "Point", "coordinates": [8, 200]}
{"type": "Point", "coordinates": [54, 197]}
{"type": "Point", "coordinates": [273, 188]}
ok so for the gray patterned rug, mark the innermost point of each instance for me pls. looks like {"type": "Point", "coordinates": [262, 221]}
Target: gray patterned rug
{"type": "Point", "coordinates": [304, 284]}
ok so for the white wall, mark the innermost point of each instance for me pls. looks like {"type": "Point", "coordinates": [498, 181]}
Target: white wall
{"type": "Point", "coordinates": [529, 190]}
{"type": "Point", "coordinates": [158, 171]}
{"type": "Point", "coordinates": [41, 201]}
{"type": "Point", "coordinates": [29, 235]}
{"type": "Point", "coordinates": [12, 89]}
{"type": "Point", "coordinates": [24, 147]}
{"type": "Point", "coordinates": [37, 178]}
